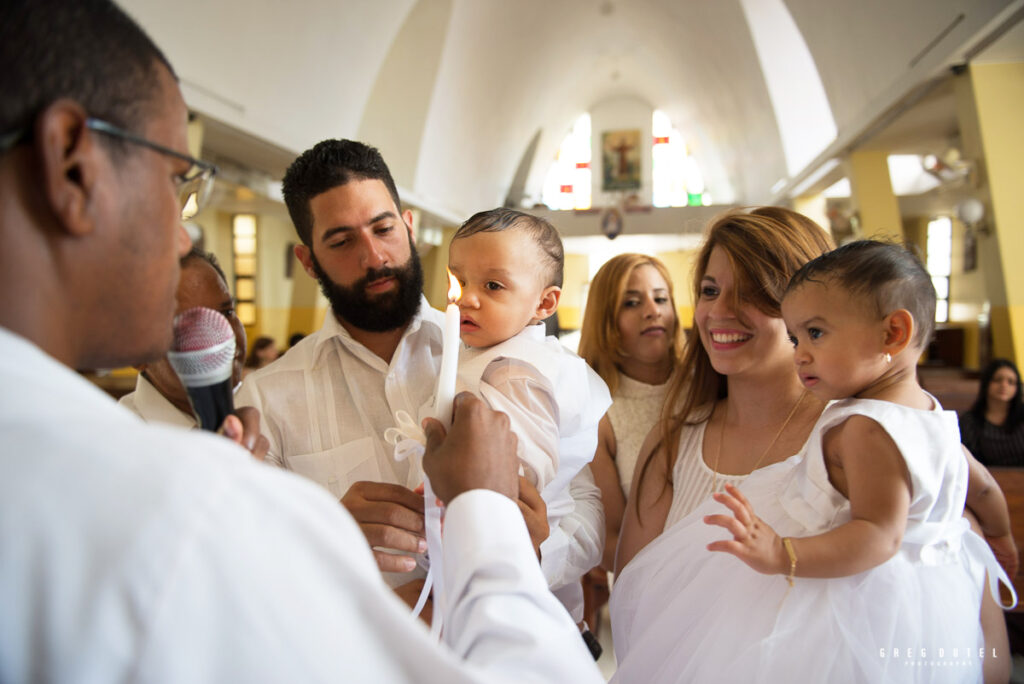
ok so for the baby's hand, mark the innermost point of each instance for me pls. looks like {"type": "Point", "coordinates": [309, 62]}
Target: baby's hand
{"type": "Point", "coordinates": [753, 541]}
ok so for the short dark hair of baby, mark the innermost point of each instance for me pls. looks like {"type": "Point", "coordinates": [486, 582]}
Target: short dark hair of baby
{"type": "Point", "coordinates": [884, 274]}
{"type": "Point", "coordinates": [543, 233]}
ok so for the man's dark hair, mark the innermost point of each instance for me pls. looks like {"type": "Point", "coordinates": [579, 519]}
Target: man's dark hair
{"type": "Point", "coordinates": [88, 51]}
{"type": "Point", "coordinates": [885, 274]}
{"type": "Point", "coordinates": [327, 165]}
{"type": "Point", "coordinates": [543, 233]}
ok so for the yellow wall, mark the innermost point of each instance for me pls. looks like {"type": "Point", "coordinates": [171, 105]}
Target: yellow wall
{"type": "Point", "coordinates": [999, 101]}
{"type": "Point", "coordinates": [575, 280]}
{"type": "Point", "coordinates": [876, 204]}
{"type": "Point", "coordinates": [275, 239]}
{"type": "Point", "coordinates": [680, 266]}
{"type": "Point", "coordinates": [278, 312]}
{"type": "Point", "coordinates": [435, 270]}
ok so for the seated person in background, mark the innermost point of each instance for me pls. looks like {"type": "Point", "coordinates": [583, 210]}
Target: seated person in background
{"type": "Point", "coordinates": [264, 351]}
{"type": "Point", "coordinates": [993, 428]}
{"type": "Point", "coordinates": [159, 396]}
{"type": "Point", "coordinates": [510, 267]}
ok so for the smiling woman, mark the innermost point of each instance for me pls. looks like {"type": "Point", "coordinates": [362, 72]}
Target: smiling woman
{"type": "Point", "coordinates": [735, 404]}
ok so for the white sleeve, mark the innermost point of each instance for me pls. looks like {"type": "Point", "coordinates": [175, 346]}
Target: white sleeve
{"type": "Point", "coordinates": [576, 545]}
{"type": "Point", "coordinates": [485, 624]}
{"type": "Point", "coordinates": [515, 390]}
{"type": "Point", "coordinates": [249, 395]}
{"type": "Point", "coordinates": [272, 581]}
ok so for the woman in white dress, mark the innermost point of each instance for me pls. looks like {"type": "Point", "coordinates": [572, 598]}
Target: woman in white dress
{"type": "Point", "coordinates": [734, 406]}
{"type": "Point", "coordinates": [677, 614]}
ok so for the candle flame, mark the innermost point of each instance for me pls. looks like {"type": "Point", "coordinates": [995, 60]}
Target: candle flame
{"type": "Point", "coordinates": [454, 289]}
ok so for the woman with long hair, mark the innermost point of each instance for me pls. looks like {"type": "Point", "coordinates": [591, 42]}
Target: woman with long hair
{"type": "Point", "coordinates": [737, 404]}
{"type": "Point", "coordinates": [993, 428]}
{"type": "Point", "coordinates": [631, 337]}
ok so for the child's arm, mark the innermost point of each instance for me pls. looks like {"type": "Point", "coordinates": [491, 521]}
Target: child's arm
{"type": "Point", "coordinates": [513, 389]}
{"type": "Point", "coordinates": [607, 477]}
{"type": "Point", "coordinates": [986, 501]}
{"type": "Point", "coordinates": [876, 482]}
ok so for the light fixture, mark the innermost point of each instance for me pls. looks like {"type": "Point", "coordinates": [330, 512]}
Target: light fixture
{"type": "Point", "coordinates": [971, 212]}
{"type": "Point", "coordinates": [948, 168]}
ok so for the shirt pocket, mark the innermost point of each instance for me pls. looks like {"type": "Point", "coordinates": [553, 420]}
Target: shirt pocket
{"type": "Point", "coordinates": [339, 468]}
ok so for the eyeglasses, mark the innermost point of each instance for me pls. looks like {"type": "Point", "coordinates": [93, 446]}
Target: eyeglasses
{"type": "Point", "coordinates": [194, 185]}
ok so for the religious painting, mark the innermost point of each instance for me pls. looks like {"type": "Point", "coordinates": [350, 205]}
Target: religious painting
{"type": "Point", "coordinates": [620, 160]}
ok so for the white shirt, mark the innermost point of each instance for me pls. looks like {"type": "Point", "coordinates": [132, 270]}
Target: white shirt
{"type": "Point", "coordinates": [153, 407]}
{"type": "Point", "coordinates": [326, 404]}
{"type": "Point", "coordinates": [554, 402]}
{"type": "Point", "coordinates": [147, 553]}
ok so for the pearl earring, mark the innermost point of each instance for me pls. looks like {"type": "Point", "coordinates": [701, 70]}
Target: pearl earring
{"type": "Point", "coordinates": [888, 357]}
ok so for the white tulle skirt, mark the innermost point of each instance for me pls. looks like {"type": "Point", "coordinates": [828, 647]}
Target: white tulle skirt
{"type": "Point", "coordinates": [681, 613]}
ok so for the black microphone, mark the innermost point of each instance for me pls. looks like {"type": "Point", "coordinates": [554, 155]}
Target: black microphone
{"type": "Point", "coordinates": [202, 355]}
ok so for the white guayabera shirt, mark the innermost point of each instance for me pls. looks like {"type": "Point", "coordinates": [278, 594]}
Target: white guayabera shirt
{"type": "Point", "coordinates": [132, 551]}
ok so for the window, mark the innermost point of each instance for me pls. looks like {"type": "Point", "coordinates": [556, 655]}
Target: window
{"type": "Point", "coordinates": [568, 183]}
{"type": "Point", "coordinates": [940, 262]}
{"type": "Point", "coordinates": [243, 250]}
{"type": "Point", "coordinates": [677, 180]}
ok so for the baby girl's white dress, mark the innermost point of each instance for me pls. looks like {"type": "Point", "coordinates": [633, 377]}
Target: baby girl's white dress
{"type": "Point", "coordinates": [681, 613]}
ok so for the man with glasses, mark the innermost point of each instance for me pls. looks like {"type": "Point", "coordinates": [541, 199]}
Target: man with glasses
{"type": "Point", "coordinates": [145, 552]}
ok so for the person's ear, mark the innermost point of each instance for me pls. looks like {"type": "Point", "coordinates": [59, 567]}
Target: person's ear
{"type": "Point", "coordinates": [305, 257]}
{"type": "Point", "coordinates": [71, 165]}
{"type": "Point", "coordinates": [407, 218]}
{"type": "Point", "coordinates": [548, 302]}
{"type": "Point", "coordinates": [899, 331]}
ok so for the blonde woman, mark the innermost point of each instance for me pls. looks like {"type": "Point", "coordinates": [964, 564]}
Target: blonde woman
{"type": "Point", "coordinates": [631, 337]}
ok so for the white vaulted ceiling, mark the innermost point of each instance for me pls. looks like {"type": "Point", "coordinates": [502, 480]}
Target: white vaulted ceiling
{"type": "Point", "coordinates": [453, 91]}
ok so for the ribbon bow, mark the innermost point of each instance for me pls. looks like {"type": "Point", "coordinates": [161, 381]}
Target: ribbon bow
{"type": "Point", "coordinates": [407, 437]}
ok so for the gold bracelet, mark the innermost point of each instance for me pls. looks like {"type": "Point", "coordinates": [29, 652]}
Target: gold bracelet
{"type": "Point", "coordinates": [787, 543]}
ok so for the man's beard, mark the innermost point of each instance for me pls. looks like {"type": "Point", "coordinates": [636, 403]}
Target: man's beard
{"type": "Point", "coordinates": [380, 313]}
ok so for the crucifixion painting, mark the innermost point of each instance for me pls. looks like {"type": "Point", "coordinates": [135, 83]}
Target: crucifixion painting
{"type": "Point", "coordinates": [620, 160]}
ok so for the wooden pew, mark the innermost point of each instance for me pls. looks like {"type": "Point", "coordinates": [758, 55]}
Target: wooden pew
{"type": "Point", "coordinates": [1011, 481]}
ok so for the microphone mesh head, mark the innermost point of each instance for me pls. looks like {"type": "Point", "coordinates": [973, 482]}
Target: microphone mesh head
{"type": "Point", "coordinates": [204, 347]}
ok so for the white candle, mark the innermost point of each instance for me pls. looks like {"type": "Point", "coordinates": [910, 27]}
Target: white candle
{"type": "Point", "coordinates": [445, 395]}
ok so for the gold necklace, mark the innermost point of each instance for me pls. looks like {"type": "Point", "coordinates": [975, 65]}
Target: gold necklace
{"type": "Point", "coordinates": [721, 438]}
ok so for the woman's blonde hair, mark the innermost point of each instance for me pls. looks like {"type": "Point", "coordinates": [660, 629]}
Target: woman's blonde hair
{"type": "Point", "coordinates": [600, 339]}
{"type": "Point", "coordinates": [765, 247]}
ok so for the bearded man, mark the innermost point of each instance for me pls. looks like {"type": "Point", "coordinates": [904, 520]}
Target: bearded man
{"type": "Point", "coordinates": [327, 403]}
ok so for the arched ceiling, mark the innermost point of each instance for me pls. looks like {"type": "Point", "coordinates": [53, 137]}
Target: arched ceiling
{"type": "Point", "coordinates": [453, 91]}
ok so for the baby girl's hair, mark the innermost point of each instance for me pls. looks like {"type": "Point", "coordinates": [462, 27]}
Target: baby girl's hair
{"type": "Point", "coordinates": [541, 230]}
{"type": "Point", "coordinates": [882, 273]}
